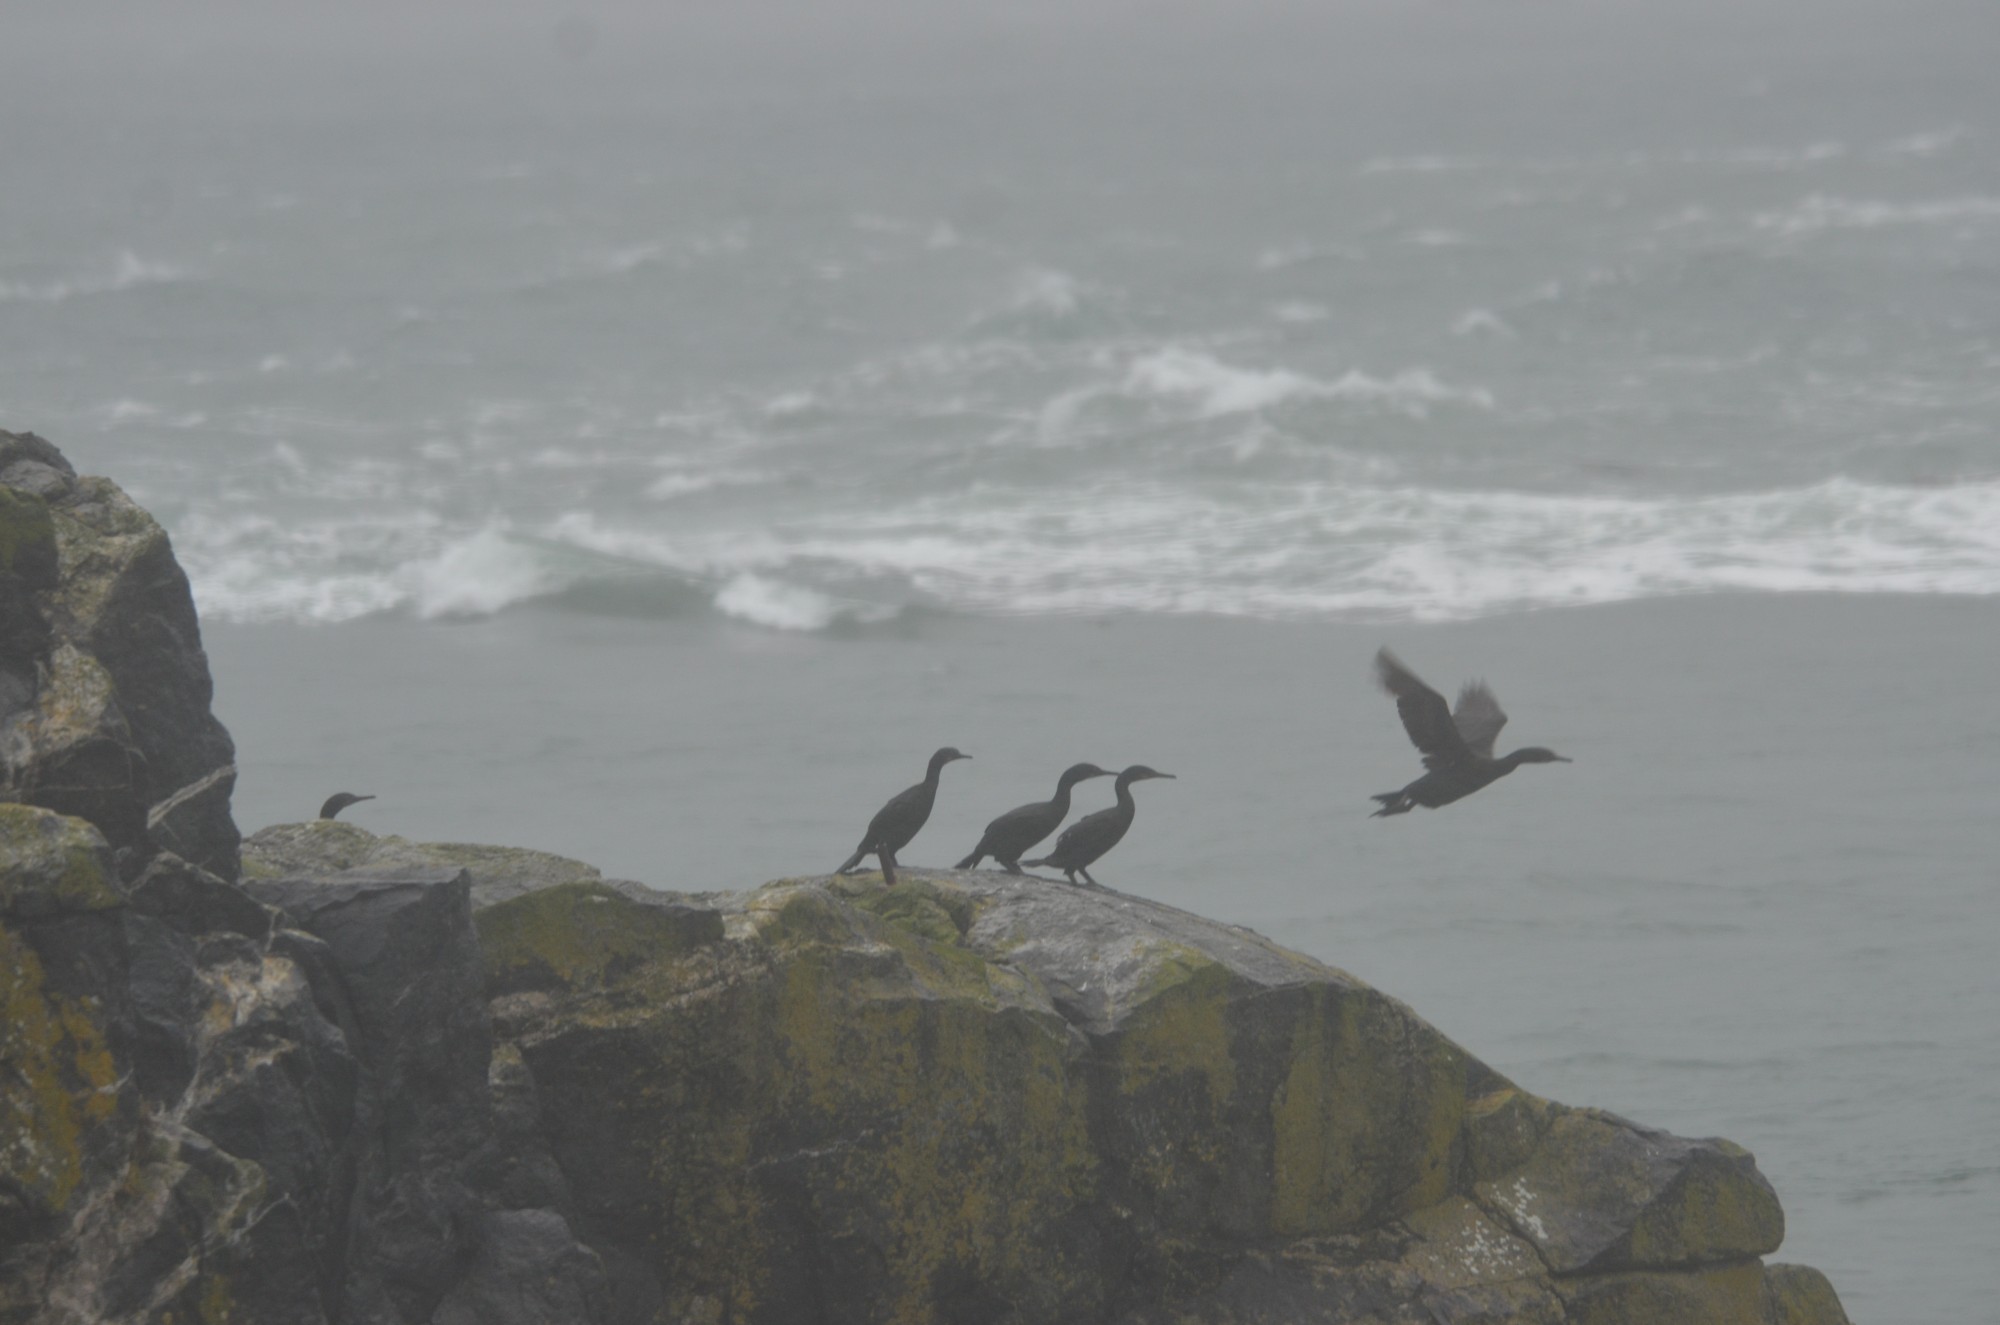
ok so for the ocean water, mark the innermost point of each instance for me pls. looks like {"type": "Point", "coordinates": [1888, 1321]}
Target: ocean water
{"type": "Point", "coordinates": [646, 435]}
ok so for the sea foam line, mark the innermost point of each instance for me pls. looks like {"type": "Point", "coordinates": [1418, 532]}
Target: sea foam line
{"type": "Point", "coordinates": [1251, 549]}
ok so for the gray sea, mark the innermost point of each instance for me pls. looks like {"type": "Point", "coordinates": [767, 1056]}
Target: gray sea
{"type": "Point", "coordinates": [646, 434]}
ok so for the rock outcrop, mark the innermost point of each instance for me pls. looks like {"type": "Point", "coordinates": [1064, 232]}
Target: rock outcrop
{"type": "Point", "coordinates": [973, 1097]}
{"type": "Point", "coordinates": [381, 1082]}
{"type": "Point", "coordinates": [104, 689]}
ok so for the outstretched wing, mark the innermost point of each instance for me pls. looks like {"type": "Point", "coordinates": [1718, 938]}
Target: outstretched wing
{"type": "Point", "coordinates": [1425, 715]}
{"type": "Point", "coordinates": [1478, 718]}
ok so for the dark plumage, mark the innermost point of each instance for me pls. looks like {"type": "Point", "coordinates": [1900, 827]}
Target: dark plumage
{"type": "Point", "coordinates": [900, 820]}
{"type": "Point", "coordinates": [1457, 746]}
{"type": "Point", "coordinates": [1007, 838]}
{"type": "Point", "coordinates": [339, 801]}
{"type": "Point", "coordinates": [1084, 841]}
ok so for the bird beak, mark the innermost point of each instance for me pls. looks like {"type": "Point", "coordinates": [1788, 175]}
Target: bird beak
{"type": "Point", "coordinates": [960, 757]}
{"type": "Point", "coordinates": [1168, 776]}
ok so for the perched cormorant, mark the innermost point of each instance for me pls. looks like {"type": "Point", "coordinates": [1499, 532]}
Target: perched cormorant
{"type": "Point", "coordinates": [1457, 746]}
{"type": "Point", "coordinates": [1007, 837]}
{"type": "Point", "coordinates": [339, 801]}
{"type": "Point", "coordinates": [897, 822]}
{"type": "Point", "coordinates": [1084, 841]}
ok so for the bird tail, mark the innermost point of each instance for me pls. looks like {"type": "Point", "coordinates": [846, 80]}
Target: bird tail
{"type": "Point", "coordinates": [1037, 864]}
{"type": "Point", "coordinates": [969, 862]}
{"type": "Point", "coordinates": [852, 861]}
{"type": "Point", "coordinates": [1393, 802]}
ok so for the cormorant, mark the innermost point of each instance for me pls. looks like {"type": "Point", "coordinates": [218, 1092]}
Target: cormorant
{"type": "Point", "coordinates": [339, 801]}
{"type": "Point", "coordinates": [1457, 746]}
{"type": "Point", "coordinates": [1009, 836]}
{"type": "Point", "coordinates": [897, 822]}
{"type": "Point", "coordinates": [1084, 841]}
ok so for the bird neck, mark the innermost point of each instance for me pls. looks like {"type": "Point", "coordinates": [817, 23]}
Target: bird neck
{"type": "Point", "coordinates": [1125, 801]}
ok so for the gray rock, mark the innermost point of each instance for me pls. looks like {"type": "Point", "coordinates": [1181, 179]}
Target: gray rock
{"type": "Point", "coordinates": [104, 688]}
{"type": "Point", "coordinates": [529, 1270]}
{"type": "Point", "coordinates": [1601, 1194]}
{"type": "Point", "coordinates": [319, 848]}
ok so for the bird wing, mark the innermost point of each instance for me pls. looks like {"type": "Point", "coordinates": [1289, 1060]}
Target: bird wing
{"type": "Point", "coordinates": [1478, 718]}
{"type": "Point", "coordinates": [1084, 841]}
{"type": "Point", "coordinates": [904, 806]}
{"type": "Point", "coordinates": [1426, 717]}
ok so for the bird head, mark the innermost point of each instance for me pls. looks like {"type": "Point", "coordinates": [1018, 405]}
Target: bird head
{"type": "Point", "coordinates": [945, 756]}
{"type": "Point", "coordinates": [1140, 773]}
{"type": "Point", "coordinates": [1076, 773]}
{"type": "Point", "coordinates": [339, 801]}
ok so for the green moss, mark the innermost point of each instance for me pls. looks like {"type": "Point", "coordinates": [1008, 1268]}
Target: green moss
{"type": "Point", "coordinates": [26, 532]}
{"type": "Point", "coordinates": [77, 701]}
{"type": "Point", "coordinates": [578, 935]}
{"type": "Point", "coordinates": [1369, 1120]}
{"type": "Point", "coordinates": [942, 915]}
{"type": "Point", "coordinates": [857, 1057]}
{"type": "Point", "coordinates": [218, 1304]}
{"type": "Point", "coordinates": [61, 1079]}
{"type": "Point", "coordinates": [1732, 1294]}
{"type": "Point", "coordinates": [1179, 1025]}
{"type": "Point", "coordinates": [52, 863]}
{"type": "Point", "coordinates": [1713, 1209]}
{"type": "Point", "coordinates": [1800, 1295]}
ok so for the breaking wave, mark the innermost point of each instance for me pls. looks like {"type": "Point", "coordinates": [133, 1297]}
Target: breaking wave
{"type": "Point", "coordinates": [1300, 550]}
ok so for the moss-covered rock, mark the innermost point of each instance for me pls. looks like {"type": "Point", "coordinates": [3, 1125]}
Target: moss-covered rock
{"type": "Point", "coordinates": [321, 847]}
{"type": "Point", "coordinates": [104, 689]}
{"type": "Point", "coordinates": [1724, 1295]}
{"type": "Point", "coordinates": [976, 1097]}
{"type": "Point", "coordinates": [1800, 1295]}
{"type": "Point", "coordinates": [1600, 1193]}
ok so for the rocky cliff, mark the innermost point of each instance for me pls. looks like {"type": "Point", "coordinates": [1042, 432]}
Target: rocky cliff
{"type": "Point", "coordinates": [383, 1081]}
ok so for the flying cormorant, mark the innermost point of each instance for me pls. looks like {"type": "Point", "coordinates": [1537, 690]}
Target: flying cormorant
{"type": "Point", "coordinates": [897, 822]}
{"type": "Point", "coordinates": [1084, 841]}
{"type": "Point", "coordinates": [339, 801]}
{"type": "Point", "coordinates": [1457, 746]}
{"type": "Point", "coordinates": [1009, 836]}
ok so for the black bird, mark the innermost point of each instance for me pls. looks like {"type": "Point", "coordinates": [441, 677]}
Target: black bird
{"type": "Point", "coordinates": [339, 801]}
{"type": "Point", "coordinates": [897, 822]}
{"type": "Point", "coordinates": [1084, 841]}
{"type": "Point", "coordinates": [1457, 746]}
{"type": "Point", "coordinates": [1007, 837]}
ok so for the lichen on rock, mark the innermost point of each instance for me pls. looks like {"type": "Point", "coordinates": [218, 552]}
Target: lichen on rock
{"type": "Point", "coordinates": [971, 1096]}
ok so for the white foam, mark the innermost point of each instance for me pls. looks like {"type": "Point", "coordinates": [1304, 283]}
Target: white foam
{"type": "Point", "coordinates": [768, 602]}
{"type": "Point", "coordinates": [1935, 142]}
{"type": "Point", "coordinates": [1426, 164]}
{"type": "Point", "coordinates": [1216, 389]}
{"type": "Point", "coordinates": [1255, 548]}
{"type": "Point", "coordinates": [477, 576]}
{"type": "Point", "coordinates": [119, 412]}
{"type": "Point", "coordinates": [1046, 291]}
{"type": "Point", "coordinates": [126, 270]}
{"type": "Point", "coordinates": [1482, 322]}
{"type": "Point", "coordinates": [677, 483]}
{"type": "Point", "coordinates": [1820, 212]}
